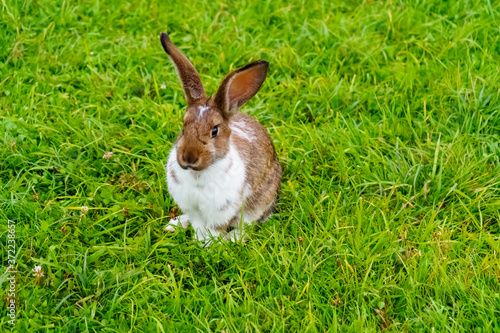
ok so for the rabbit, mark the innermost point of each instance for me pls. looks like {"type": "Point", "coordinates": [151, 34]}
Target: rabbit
{"type": "Point", "coordinates": [223, 171]}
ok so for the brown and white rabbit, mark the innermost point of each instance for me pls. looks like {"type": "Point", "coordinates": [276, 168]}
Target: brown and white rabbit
{"type": "Point", "coordinates": [223, 170]}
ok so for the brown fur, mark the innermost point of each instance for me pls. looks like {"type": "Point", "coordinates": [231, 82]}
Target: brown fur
{"type": "Point", "coordinates": [187, 73]}
{"type": "Point", "coordinates": [174, 176]}
{"type": "Point", "coordinates": [239, 86]}
{"type": "Point", "coordinates": [263, 168]}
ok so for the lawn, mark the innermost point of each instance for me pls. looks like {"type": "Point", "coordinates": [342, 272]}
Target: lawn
{"type": "Point", "coordinates": [386, 119]}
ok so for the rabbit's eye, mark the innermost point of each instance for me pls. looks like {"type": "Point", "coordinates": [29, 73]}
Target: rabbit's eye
{"type": "Point", "coordinates": [215, 131]}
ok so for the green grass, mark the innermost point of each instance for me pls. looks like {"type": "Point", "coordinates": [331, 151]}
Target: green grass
{"type": "Point", "coordinates": [385, 117]}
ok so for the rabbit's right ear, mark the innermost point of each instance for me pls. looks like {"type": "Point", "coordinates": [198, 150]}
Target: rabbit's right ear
{"type": "Point", "coordinates": [187, 73]}
{"type": "Point", "coordinates": [239, 86]}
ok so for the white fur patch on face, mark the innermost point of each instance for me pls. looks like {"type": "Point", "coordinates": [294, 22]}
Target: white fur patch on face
{"type": "Point", "coordinates": [202, 110]}
{"type": "Point", "coordinates": [240, 130]}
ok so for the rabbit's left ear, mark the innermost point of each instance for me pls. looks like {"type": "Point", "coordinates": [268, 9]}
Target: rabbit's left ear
{"type": "Point", "coordinates": [239, 86]}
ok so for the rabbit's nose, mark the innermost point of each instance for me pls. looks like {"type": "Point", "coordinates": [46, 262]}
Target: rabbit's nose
{"type": "Point", "coordinates": [190, 158]}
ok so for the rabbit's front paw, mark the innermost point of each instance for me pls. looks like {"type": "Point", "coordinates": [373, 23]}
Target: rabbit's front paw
{"type": "Point", "coordinates": [182, 220]}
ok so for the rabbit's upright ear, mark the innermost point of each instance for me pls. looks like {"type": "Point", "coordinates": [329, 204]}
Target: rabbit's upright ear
{"type": "Point", "coordinates": [187, 73]}
{"type": "Point", "coordinates": [239, 86]}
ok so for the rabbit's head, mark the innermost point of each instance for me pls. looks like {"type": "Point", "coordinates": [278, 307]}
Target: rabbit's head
{"type": "Point", "coordinates": [205, 137]}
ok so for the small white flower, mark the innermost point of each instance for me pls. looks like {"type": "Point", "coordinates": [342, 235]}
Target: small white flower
{"type": "Point", "coordinates": [91, 53]}
{"type": "Point", "coordinates": [108, 155]}
{"type": "Point", "coordinates": [38, 272]}
{"type": "Point", "coordinates": [163, 86]}
{"type": "Point", "coordinates": [84, 210]}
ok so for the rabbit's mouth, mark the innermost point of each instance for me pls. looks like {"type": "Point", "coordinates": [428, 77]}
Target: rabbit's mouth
{"type": "Point", "coordinates": [193, 168]}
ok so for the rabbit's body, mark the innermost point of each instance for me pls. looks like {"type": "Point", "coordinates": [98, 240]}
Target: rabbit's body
{"type": "Point", "coordinates": [209, 196]}
{"type": "Point", "coordinates": [223, 169]}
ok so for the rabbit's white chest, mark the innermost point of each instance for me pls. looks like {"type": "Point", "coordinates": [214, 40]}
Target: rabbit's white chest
{"type": "Point", "coordinates": [212, 196]}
